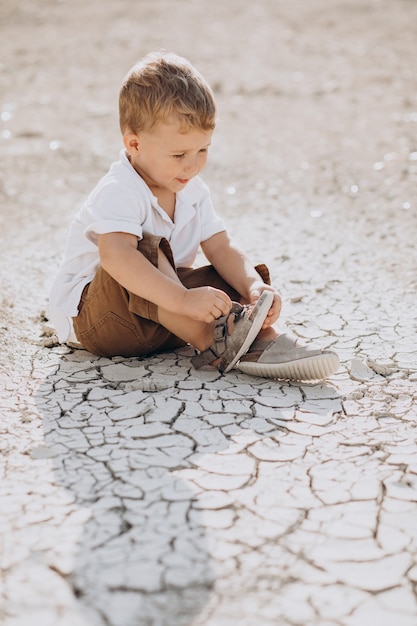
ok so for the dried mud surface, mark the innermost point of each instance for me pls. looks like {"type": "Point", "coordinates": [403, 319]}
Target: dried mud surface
{"type": "Point", "coordinates": [140, 492]}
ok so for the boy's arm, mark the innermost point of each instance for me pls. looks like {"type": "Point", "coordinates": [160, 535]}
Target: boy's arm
{"type": "Point", "coordinates": [237, 270]}
{"type": "Point", "coordinates": [120, 258]}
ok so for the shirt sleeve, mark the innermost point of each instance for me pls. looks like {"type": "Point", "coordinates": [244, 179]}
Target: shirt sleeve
{"type": "Point", "coordinates": [113, 209]}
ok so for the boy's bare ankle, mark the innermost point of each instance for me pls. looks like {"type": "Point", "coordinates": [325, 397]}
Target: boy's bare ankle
{"type": "Point", "coordinates": [205, 339]}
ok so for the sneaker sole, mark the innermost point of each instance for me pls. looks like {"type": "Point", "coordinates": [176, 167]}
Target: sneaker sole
{"type": "Point", "coordinates": [310, 368]}
{"type": "Point", "coordinates": [259, 313]}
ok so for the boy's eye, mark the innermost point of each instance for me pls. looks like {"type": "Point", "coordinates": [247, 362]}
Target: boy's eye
{"type": "Point", "coordinates": [181, 156]}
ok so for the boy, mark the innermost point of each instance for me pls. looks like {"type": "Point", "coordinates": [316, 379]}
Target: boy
{"type": "Point", "coordinates": [127, 286]}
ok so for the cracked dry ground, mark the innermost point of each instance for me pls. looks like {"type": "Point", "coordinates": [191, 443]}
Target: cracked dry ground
{"type": "Point", "coordinates": [145, 493]}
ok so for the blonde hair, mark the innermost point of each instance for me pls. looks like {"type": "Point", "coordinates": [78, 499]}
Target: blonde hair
{"type": "Point", "coordinates": [162, 87]}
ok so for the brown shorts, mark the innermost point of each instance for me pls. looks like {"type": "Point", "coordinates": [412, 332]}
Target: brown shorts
{"type": "Point", "coordinates": [112, 321]}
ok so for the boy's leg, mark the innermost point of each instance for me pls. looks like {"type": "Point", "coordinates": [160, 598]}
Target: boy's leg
{"type": "Point", "coordinates": [198, 334]}
{"type": "Point", "coordinates": [274, 353]}
{"type": "Point", "coordinates": [202, 335]}
{"type": "Point", "coordinates": [106, 325]}
{"type": "Point", "coordinates": [113, 322]}
{"type": "Point", "coordinates": [207, 275]}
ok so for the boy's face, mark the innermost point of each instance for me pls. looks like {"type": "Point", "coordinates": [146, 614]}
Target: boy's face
{"type": "Point", "coordinates": [166, 157]}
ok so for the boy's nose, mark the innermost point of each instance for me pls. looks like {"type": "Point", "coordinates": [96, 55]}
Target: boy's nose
{"type": "Point", "coordinates": [191, 165]}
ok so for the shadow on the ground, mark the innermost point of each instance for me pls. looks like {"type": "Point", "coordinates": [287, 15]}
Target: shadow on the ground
{"type": "Point", "coordinates": [140, 559]}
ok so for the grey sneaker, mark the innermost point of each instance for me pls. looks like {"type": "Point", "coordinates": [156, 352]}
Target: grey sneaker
{"type": "Point", "coordinates": [287, 357]}
{"type": "Point", "coordinates": [230, 344]}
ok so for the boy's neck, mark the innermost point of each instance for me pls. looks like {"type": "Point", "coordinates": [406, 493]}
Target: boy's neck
{"type": "Point", "coordinates": [166, 200]}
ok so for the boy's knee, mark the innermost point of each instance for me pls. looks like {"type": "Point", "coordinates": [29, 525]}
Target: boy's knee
{"type": "Point", "coordinates": [156, 249]}
{"type": "Point", "coordinates": [263, 272]}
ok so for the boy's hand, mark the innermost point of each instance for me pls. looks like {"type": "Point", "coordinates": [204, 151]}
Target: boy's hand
{"type": "Point", "coordinates": [275, 310]}
{"type": "Point", "coordinates": [206, 304]}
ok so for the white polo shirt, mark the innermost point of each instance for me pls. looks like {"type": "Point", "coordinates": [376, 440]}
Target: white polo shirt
{"type": "Point", "coordinates": [122, 202]}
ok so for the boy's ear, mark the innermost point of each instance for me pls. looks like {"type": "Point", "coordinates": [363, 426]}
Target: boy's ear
{"type": "Point", "coordinates": [131, 143]}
